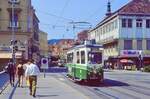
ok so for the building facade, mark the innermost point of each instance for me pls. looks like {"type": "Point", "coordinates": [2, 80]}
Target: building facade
{"type": "Point", "coordinates": [82, 36]}
{"type": "Point", "coordinates": [43, 44]}
{"type": "Point", "coordinates": [60, 48]}
{"type": "Point", "coordinates": [125, 35]}
{"type": "Point", "coordinates": [26, 29]}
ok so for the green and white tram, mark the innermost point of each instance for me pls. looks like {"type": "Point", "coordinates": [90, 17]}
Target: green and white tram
{"type": "Point", "coordinates": [84, 62]}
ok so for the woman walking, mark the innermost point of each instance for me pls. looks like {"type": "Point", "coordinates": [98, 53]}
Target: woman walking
{"type": "Point", "coordinates": [20, 74]}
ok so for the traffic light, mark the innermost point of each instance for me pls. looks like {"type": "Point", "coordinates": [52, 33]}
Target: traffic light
{"type": "Point", "coordinates": [15, 48]}
{"type": "Point", "coordinates": [14, 45]}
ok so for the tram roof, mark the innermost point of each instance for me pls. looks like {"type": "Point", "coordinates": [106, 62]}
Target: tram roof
{"type": "Point", "coordinates": [87, 46]}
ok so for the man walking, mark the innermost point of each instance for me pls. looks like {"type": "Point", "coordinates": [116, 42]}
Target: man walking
{"type": "Point", "coordinates": [11, 71]}
{"type": "Point", "coordinates": [31, 72]}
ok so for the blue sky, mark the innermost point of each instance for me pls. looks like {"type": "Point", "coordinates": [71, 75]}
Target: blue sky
{"type": "Point", "coordinates": [55, 15]}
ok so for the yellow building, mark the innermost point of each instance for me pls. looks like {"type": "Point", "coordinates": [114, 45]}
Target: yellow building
{"type": "Point", "coordinates": [26, 28]}
{"type": "Point", "coordinates": [43, 44]}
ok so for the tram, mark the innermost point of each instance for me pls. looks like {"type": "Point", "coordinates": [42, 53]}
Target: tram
{"type": "Point", "coordinates": [84, 62]}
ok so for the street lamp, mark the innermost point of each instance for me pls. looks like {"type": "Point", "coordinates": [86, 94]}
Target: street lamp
{"type": "Point", "coordinates": [13, 31]}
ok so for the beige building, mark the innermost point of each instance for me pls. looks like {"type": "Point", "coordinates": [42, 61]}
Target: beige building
{"type": "Point", "coordinates": [26, 28]}
{"type": "Point", "coordinates": [43, 44]}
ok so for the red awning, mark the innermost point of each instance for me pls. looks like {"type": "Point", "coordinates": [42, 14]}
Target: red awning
{"type": "Point", "coordinates": [126, 61]}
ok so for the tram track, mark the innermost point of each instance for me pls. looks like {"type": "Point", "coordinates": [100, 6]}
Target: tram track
{"type": "Point", "coordinates": [132, 91]}
{"type": "Point", "coordinates": [137, 90]}
{"type": "Point", "coordinates": [103, 94]}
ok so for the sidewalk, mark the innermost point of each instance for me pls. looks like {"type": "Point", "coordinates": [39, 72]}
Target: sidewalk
{"type": "Point", "coordinates": [47, 88]}
{"type": "Point", "coordinates": [3, 81]}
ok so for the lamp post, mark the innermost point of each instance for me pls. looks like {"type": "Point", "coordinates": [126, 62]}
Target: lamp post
{"type": "Point", "coordinates": [13, 32]}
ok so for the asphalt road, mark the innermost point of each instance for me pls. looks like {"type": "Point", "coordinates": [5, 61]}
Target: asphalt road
{"type": "Point", "coordinates": [117, 85]}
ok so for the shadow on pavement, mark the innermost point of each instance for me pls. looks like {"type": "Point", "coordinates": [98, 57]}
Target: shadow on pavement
{"type": "Point", "coordinates": [47, 96]}
{"type": "Point", "coordinates": [55, 70]}
{"type": "Point", "coordinates": [105, 83]}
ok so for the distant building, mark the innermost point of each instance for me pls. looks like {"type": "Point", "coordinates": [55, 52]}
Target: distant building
{"type": "Point", "coordinates": [82, 36]}
{"type": "Point", "coordinates": [59, 49]}
{"type": "Point", "coordinates": [43, 44]}
{"type": "Point", "coordinates": [125, 35]}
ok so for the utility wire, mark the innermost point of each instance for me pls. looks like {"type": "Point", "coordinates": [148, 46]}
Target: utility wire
{"type": "Point", "coordinates": [63, 10]}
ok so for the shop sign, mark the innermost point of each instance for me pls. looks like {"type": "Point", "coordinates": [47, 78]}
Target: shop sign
{"type": "Point", "coordinates": [130, 52]}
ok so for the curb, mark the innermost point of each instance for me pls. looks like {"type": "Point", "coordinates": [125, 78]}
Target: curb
{"type": "Point", "coordinates": [4, 87]}
{"type": "Point", "coordinates": [2, 72]}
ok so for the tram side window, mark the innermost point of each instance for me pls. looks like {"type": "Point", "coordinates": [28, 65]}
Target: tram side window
{"type": "Point", "coordinates": [70, 58]}
{"type": "Point", "coordinates": [82, 57]}
{"type": "Point", "coordinates": [78, 57]}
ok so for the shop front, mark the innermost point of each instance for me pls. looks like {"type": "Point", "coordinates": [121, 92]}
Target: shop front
{"type": "Point", "coordinates": [146, 58]}
{"type": "Point", "coordinates": [130, 59]}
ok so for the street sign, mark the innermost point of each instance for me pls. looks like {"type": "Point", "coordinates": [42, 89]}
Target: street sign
{"type": "Point", "coordinates": [44, 63]}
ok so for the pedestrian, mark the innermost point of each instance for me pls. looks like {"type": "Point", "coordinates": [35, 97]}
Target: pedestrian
{"type": "Point", "coordinates": [11, 71]}
{"type": "Point", "coordinates": [32, 72]}
{"type": "Point", "coordinates": [20, 73]}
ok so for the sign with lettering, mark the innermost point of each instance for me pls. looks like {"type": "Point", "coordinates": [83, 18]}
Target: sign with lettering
{"type": "Point", "coordinates": [130, 52]}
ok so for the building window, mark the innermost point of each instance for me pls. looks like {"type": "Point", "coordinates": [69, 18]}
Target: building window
{"type": "Point", "coordinates": [127, 23]}
{"type": "Point", "coordinates": [139, 23]}
{"type": "Point", "coordinates": [130, 23]}
{"type": "Point", "coordinates": [124, 22]}
{"type": "Point", "coordinates": [148, 44]}
{"type": "Point", "coordinates": [82, 57]}
{"type": "Point", "coordinates": [128, 44]}
{"type": "Point", "coordinates": [14, 23]}
{"type": "Point", "coordinates": [139, 44]}
{"type": "Point", "coordinates": [148, 23]}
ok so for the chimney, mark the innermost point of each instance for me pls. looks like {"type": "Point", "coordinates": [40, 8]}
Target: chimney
{"type": "Point", "coordinates": [108, 9]}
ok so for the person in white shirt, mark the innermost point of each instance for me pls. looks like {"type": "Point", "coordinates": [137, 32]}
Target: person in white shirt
{"type": "Point", "coordinates": [32, 72]}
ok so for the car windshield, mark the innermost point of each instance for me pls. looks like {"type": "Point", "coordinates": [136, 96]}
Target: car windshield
{"type": "Point", "coordinates": [95, 58]}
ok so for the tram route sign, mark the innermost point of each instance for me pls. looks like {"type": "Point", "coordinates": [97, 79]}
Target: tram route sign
{"type": "Point", "coordinates": [44, 63]}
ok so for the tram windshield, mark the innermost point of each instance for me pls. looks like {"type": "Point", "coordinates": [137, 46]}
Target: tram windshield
{"type": "Point", "coordinates": [94, 57]}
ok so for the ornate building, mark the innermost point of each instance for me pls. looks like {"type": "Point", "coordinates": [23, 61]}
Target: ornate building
{"type": "Point", "coordinates": [26, 29]}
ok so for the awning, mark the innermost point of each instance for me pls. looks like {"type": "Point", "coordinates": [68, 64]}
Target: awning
{"type": "Point", "coordinates": [4, 55]}
{"type": "Point", "coordinates": [126, 61]}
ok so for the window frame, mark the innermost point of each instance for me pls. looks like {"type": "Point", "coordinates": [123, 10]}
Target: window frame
{"type": "Point", "coordinates": [83, 58]}
{"type": "Point", "coordinates": [139, 23]}
{"type": "Point", "coordinates": [126, 45]}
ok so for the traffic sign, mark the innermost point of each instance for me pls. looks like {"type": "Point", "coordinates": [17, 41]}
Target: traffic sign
{"type": "Point", "coordinates": [44, 63]}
